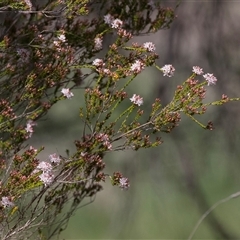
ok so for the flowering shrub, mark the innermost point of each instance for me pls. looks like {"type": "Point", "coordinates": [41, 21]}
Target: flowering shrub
{"type": "Point", "coordinates": [52, 51]}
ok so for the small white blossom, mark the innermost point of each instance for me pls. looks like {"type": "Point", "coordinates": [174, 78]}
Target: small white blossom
{"type": "Point", "coordinates": [54, 158]}
{"type": "Point", "coordinates": [197, 70]}
{"type": "Point", "coordinates": [137, 100]}
{"type": "Point", "coordinates": [137, 66]}
{"type": "Point", "coordinates": [62, 38]}
{"type": "Point", "coordinates": [67, 93]}
{"type": "Point", "coordinates": [47, 178]}
{"type": "Point", "coordinates": [124, 183]}
{"type": "Point", "coordinates": [149, 46]}
{"type": "Point", "coordinates": [29, 127]}
{"type": "Point", "coordinates": [44, 166]}
{"type": "Point", "coordinates": [211, 80]}
{"type": "Point", "coordinates": [98, 43]}
{"type": "Point", "coordinates": [168, 70]}
{"type": "Point", "coordinates": [98, 62]}
{"type": "Point", "coordinates": [108, 19]}
{"type": "Point", "coordinates": [6, 202]}
{"type": "Point", "coordinates": [116, 23]}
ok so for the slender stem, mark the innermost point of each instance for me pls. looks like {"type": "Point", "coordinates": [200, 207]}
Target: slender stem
{"type": "Point", "coordinates": [234, 195]}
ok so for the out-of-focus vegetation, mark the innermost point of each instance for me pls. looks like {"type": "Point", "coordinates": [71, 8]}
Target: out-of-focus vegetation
{"type": "Point", "coordinates": [173, 185]}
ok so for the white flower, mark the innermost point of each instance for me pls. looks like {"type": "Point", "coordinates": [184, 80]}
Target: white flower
{"type": "Point", "coordinates": [67, 93]}
{"type": "Point", "coordinates": [168, 70]}
{"type": "Point", "coordinates": [108, 19]}
{"type": "Point", "coordinates": [137, 66]}
{"type": "Point", "coordinates": [6, 202]}
{"type": "Point", "coordinates": [62, 38]}
{"type": "Point", "coordinates": [211, 80]}
{"type": "Point", "coordinates": [149, 46]}
{"type": "Point", "coordinates": [197, 70]}
{"type": "Point", "coordinates": [117, 23]}
{"type": "Point", "coordinates": [54, 158]}
{"type": "Point", "coordinates": [29, 127]}
{"type": "Point", "coordinates": [44, 166]}
{"type": "Point", "coordinates": [124, 183]}
{"type": "Point", "coordinates": [137, 100]}
{"type": "Point", "coordinates": [98, 62]}
{"type": "Point", "coordinates": [47, 178]}
{"type": "Point", "coordinates": [98, 43]}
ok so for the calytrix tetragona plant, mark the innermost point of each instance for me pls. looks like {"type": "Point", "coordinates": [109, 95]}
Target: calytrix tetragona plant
{"type": "Point", "coordinates": [47, 53]}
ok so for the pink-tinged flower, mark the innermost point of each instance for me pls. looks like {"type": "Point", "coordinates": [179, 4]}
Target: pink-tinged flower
{"type": "Point", "coordinates": [98, 62]}
{"type": "Point", "coordinates": [197, 70]}
{"type": "Point", "coordinates": [116, 23]}
{"type": "Point", "coordinates": [32, 148]}
{"type": "Point", "coordinates": [98, 43]}
{"type": "Point", "coordinates": [137, 66]}
{"type": "Point", "coordinates": [168, 70]}
{"type": "Point", "coordinates": [62, 38]}
{"type": "Point", "coordinates": [67, 93]}
{"type": "Point", "coordinates": [104, 138]}
{"type": "Point", "coordinates": [44, 166]}
{"type": "Point", "coordinates": [54, 158]}
{"type": "Point", "coordinates": [149, 46]}
{"type": "Point", "coordinates": [57, 44]}
{"type": "Point", "coordinates": [137, 100]}
{"type": "Point", "coordinates": [29, 127]}
{"type": "Point", "coordinates": [47, 178]}
{"type": "Point", "coordinates": [124, 183]}
{"type": "Point", "coordinates": [211, 80]}
{"type": "Point", "coordinates": [6, 202]}
{"type": "Point", "coordinates": [24, 55]}
{"type": "Point", "coordinates": [108, 19]}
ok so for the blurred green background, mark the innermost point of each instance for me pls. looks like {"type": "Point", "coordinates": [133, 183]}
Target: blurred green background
{"type": "Point", "coordinates": [174, 184]}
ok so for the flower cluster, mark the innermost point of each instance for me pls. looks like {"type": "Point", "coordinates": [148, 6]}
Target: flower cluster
{"type": "Point", "coordinates": [137, 100]}
{"type": "Point", "coordinates": [67, 93]}
{"type": "Point", "coordinates": [197, 70]}
{"type": "Point", "coordinates": [98, 62]}
{"type": "Point", "coordinates": [104, 138]}
{"type": "Point", "coordinates": [98, 43]}
{"type": "Point", "coordinates": [6, 202]}
{"type": "Point", "coordinates": [54, 158]}
{"type": "Point", "coordinates": [29, 127]}
{"type": "Point", "coordinates": [149, 46]}
{"type": "Point", "coordinates": [137, 66]}
{"type": "Point", "coordinates": [209, 77]}
{"type": "Point", "coordinates": [168, 70]}
{"type": "Point", "coordinates": [211, 80]}
{"type": "Point", "coordinates": [46, 168]}
{"type": "Point", "coordinates": [124, 183]}
{"type": "Point", "coordinates": [114, 23]}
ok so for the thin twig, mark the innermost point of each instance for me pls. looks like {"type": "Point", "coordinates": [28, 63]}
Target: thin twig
{"type": "Point", "coordinates": [234, 195]}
